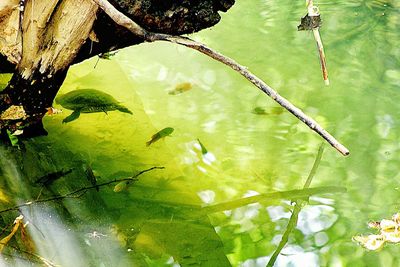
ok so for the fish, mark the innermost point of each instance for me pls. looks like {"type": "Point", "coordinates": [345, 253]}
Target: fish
{"type": "Point", "coordinates": [203, 148]}
{"type": "Point", "coordinates": [161, 134]}
{"type": "Point", "coordinates": [91, 177]}
{"type": "Point", "coordinates": [272, 111]}
{"type": "Point", "coordinates": [259, 111]}
{"type": "Point", "coordinates": [181, 88]}
{"type": "Point", "coordinates": [51, 177]}
{"type": "Point", "coordinates": [107, 55]}
{"type": "Point", "coordinates": [121, 186]}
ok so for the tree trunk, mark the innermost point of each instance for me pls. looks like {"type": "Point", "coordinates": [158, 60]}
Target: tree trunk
{"type": "Point", "coordinates": [39, 41]}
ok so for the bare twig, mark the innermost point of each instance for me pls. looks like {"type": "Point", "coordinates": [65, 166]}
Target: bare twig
{"type": "Point", "coordinates": [124, 21]}
{"type": "Point", "coordinates": [78, 193]}
{"type": "Point", "coordinates": [296, 210]}
{"type": "Point", "coordinates": [322, 58]}
{"type": "Point", "coordinates": [314, 11]}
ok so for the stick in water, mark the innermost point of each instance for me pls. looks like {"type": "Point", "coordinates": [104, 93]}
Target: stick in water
{"type": "Point", "coordinates": [313, 11]}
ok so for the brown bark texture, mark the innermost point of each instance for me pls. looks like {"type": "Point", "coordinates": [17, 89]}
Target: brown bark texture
{"type": "Point", "coordinates": [42, 38]}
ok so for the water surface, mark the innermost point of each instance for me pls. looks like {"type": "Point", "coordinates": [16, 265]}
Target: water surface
{"type": "Point", "coordinates": [158, 221]}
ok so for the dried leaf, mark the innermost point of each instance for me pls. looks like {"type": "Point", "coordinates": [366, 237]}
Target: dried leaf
{"type": "Point", "coordinates": [27, 240]}
{"type": "Point", "coordinates": [14, 113]}
{"type": "Point", "coordinates": [371, 242]}
{"type": "Point", "coordinates": [5, 240]}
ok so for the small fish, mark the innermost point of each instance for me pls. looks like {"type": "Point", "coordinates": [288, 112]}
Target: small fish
{"type": "Point", "coordinates": [181, 88]}
{"type": "Point", "coordinates": [259, 111]}
{"type": "Point", "coordinates": [161, 134]}
{"type": "Point", "coordinates": [51, 177]}
{"type": "Point", "coordinates": [121, 186]}
{"type": "Point", "coordinates": [91, 177]}
{"type": "Point", "coordinates": [107, 55]}
{"type": "Point", "coordinates": [203, 148]}
{"type": "Point", "coordinates": [272, 111]}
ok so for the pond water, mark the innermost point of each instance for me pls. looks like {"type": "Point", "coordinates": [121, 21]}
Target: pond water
{"type": "Point", "coordinates": [230, 141]}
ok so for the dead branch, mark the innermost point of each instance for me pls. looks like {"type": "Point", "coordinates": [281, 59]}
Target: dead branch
{"type": "Point", "coordinates": [80, 192]}
{"type": "Point", "coordinates": [314, 11]}
{"type": "Point", "coordinates": [126, 22]}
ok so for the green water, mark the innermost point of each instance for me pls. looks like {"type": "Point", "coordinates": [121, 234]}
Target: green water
{"type": "Point", "coordinates": [158, 221]}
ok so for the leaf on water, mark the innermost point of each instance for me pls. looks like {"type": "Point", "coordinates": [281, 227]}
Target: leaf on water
{"type": "Point", "coordinates": [389, 232]}
{"type": "Point", "coordinates": [5, 240]}
{"type": "Point", "coordinates": [371, 242]}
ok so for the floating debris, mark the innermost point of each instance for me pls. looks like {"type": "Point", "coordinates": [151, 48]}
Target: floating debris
{"type": "Point", "coordinates": [308, 22]}
{"type": "Point", "coordinates": [161, 134]}
{"type": "Point", "coordinates": [389, 232]}
{"type": "Point", "coordinates": [181, 88]}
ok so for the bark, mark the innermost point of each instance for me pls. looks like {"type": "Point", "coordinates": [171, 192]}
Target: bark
{"type": "Point", "coordinates": [39, 46]}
